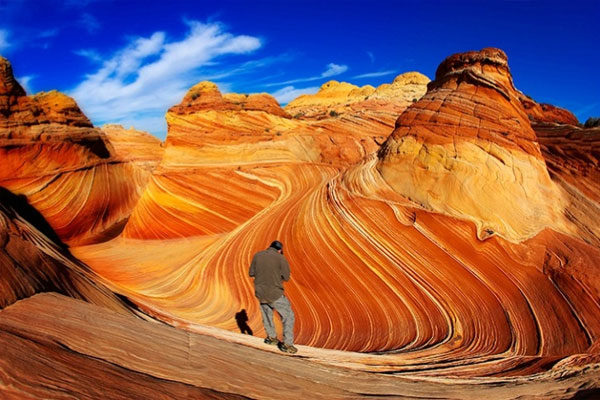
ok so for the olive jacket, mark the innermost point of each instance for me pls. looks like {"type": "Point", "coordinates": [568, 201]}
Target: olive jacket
{"type": "Point", "coordinates": [269, 269]}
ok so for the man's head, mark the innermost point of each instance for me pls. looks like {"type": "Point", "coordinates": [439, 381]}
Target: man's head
{"type": "Point", "coordinates": [277, 245]}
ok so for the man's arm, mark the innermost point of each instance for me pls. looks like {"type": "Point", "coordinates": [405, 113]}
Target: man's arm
{"type": "Point", "coordinates": [285, 269]}
{"type": "Point", "coordinates": [252, 272]}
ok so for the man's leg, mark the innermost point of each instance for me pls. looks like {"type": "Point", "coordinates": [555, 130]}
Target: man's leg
{"type": "Point", "coordinates": [284, 308]}
{"type": "Point", "coordinates": [267, 316]}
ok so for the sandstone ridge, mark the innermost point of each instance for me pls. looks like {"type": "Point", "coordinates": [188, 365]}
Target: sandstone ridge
{"type": "Point", "coordinates": [340, 96]}
{"type": "Point", "coordinates": [72, 174]}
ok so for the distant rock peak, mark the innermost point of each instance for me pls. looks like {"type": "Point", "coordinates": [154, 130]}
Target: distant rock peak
{"type": "Point", "coordinates": [206, 96]}
{"type": "Point", "coordinates": [8, 84]}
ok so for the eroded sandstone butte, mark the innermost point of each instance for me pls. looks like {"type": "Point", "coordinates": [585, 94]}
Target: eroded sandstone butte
{"type": "Point", "coordinates": [502, 283]}
{"type": "Point", "coordinates": [67, 169]}
{"type": "Point", "coordinates": [467, 149]}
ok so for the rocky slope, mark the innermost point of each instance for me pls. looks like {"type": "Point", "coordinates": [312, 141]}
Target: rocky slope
{"type": "Point", "coordinates": [67, 169]}
{"type": "Point", "coordinates": [171, 363]}
{"type": "Point", "coordinates": [213, 139]}
{"type": "Point", "coordinates": [33, 259]}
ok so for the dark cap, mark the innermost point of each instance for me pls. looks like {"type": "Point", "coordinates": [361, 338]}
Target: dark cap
{"type": "Point", "coordinates": [277, 245]}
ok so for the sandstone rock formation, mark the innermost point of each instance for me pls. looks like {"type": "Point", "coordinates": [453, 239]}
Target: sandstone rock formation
{"type": "Point", "coordinates": [467, 149]}
{"type": "Point", "coordinates": [572, 156]}
{"type": "Point", "coordinates": [33, 259]}
{"type": "Point", "coordinates": [66, 338]}
{"type": "Point", "coordinates": [466, 248]}
{"type": "Point", "coordinates": [345, 98]}
{"type": "Point", "coordinates": [138, 147]}
{"type": "Point", "coordinates": [373, 268]}
{"type": "Point", "coordinates": [213, 138]}
{"type": "Point", "coordinates": [547, 112]}
{"type": "Point", "coordinates": [51, 153]}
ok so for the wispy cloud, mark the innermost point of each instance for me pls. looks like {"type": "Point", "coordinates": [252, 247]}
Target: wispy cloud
{"type": "Point", "coordinates": [89, 23]}
{"type": "Point", "coordinates": [371, 57]}
{"type": "Point", "coordinates": [25, 81]}
{"type": "Point", "coordinates": [4, 34]}
{"type": "Point", "coordinates": [137, 84]}
{"type": "Point", "coordinates": [332, 70]}
{"type": "Point", "coordinates": [289, 93]}
{"type": "Point", "coordinates": [90, 54]}
{"type": "Point", "coordinates": [374, 74]}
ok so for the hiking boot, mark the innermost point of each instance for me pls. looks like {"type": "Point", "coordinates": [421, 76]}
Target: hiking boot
{"type": "Point", "coordinates": [271, 340]}
{"type": "Point", "coordinates": [287, 348]}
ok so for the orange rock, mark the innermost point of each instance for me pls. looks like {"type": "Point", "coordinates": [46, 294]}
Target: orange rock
{"type": "Point", "coordinates": [572, 155]}
{"type": "Point", "coordinates": [343, 98]}
{"type": "Point", "coordinates": [33, 259]}
{"type": "Point", "coordinates": [467, 149]}
{"type": "Point", "coordinates": [138, 147]}
{"type": "Point", "coordinates": [212, 137]}
{"type": "Point", "coordinates": [373, 270]}
{"type": "Point", "coordinates": [51, 153]}
{"type": "Point", "coordinates": [386, 251]}
{"type": "Point", "coordinates": [547, 112]}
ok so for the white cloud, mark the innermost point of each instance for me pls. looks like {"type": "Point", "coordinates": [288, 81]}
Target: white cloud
{"type": "Point", "coordinates": [141, 81]}
{"type": "Point", "coordinates": [289, 93]}
{"type": "Point", "coordinates": [89, 23]}
{"type": "Point", "coordinates": [25, 82]}
{"type": "Point", "coordinates": [374, 74]}
{"type": "Point", "coordinates": [4, 39]}
{"type": "Point", "coordinates": [332, 70]}
{"type": "Point", "coordinates": [91, 55]}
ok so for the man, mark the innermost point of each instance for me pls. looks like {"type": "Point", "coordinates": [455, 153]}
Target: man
{"type": "Point", "coordinates": [269, 269]}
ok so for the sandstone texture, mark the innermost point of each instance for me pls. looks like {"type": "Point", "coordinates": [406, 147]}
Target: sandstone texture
{"type": "Point", "coordinates": [67, 169]}
{"type": "Point", "coordinates": [467, 149]}
{"type": "Point", "coordinates": [343, 97]}
{"type": "Point", "coordinates": [33, 259]}
{"type": "Point", "coordinates": [213, 138]}
{"type": "Point", "coordinates": [438, 292]}
{"type": "Point", "coordinates": [138, 147]}
{"type": "Point", "coordinates": [66, 338]}
{"type": "Point", "coordinates": [449, 250]}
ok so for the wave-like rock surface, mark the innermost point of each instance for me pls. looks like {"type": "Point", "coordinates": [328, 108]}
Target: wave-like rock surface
{"type": "Point", "coordinates": [33, 259]}
{"type": "Point", "coordinates": [572, 155]}
{"type": "Point", "coordinates": [451, 252]}
{"type": "Point", "coordinates": [138, 147]}
{"type": "Point", "coordinates": [52, 154]}
{"type": "Point", "coordinates": [65, 338]}
{"type": "Point", "coordinates": [467, 247]}
{"type": "Point", "coordinates": [215, 139]}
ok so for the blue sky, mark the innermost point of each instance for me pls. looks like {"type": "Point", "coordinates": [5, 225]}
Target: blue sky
{"type": "Point", "coordinates": [128, 61]}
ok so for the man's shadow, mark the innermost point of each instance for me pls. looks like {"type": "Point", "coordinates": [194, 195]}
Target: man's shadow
{"type": "Point", "coordinates": [242, 322]}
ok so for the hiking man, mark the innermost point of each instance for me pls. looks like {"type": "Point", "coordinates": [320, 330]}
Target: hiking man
{"type": "Point", "coordinates": [269, 269]}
